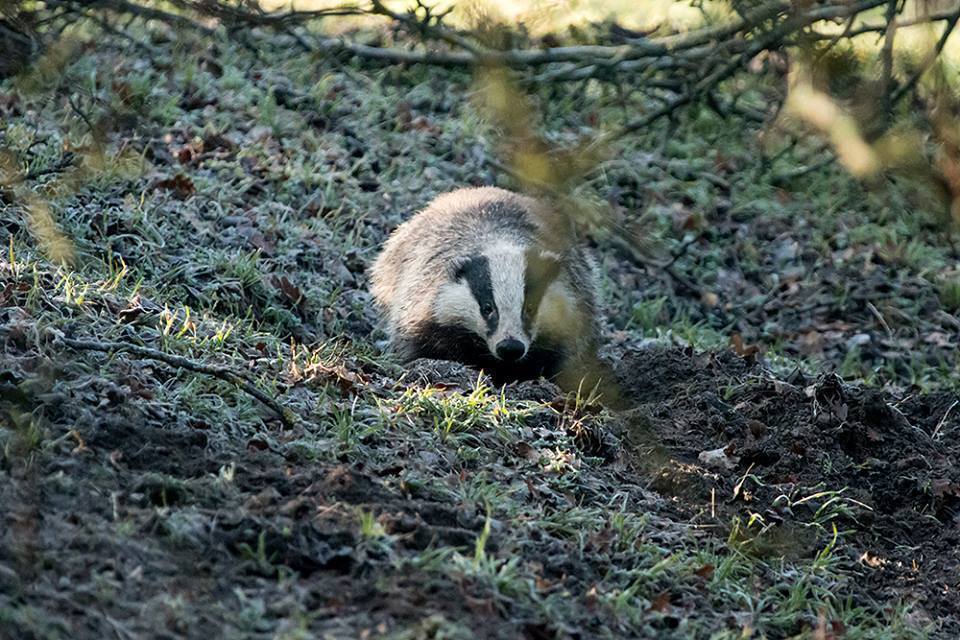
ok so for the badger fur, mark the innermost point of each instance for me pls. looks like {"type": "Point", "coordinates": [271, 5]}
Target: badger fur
{"type": "Point", "coordinates": [489, 278]}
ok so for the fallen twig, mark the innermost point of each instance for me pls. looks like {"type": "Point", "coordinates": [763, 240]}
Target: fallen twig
{"type": "Point", "coordinates": [226, 374]}
{"type": "Point", "coordinates": [799, 172]}
{"type": "Point", "coordinates": [943, 420]}
{"type": "Point", "coordinates": [66, 161]}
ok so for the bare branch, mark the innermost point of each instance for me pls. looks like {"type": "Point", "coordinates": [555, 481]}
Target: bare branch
{"type": "Point", "coordinates": [226, 374]}
{"type": "Point", "coordinates": [886, 56]}
{"type": "Point", "coordinates": [930, 59]}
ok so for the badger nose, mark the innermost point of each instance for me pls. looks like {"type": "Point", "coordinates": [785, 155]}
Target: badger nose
{"type": "Point", "coordinates": [510, 350]}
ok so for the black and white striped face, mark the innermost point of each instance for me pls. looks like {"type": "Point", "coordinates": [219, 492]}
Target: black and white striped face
{"type": "Point", "coordinates": [497, 295]}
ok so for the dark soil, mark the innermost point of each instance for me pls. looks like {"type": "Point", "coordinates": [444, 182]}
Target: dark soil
{"type": "Point", "coordinates": [897, 458]}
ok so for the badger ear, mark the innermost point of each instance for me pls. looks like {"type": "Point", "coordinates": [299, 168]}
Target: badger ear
{"type": "Point", "coordinates": [457, 268]}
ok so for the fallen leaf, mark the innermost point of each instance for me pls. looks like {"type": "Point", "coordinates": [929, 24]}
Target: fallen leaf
{"type": "Point", "coordinates": [939, 339]}
{"type": "Point", "coordinates": [260, 241]}
{"type": "Point", "coordinates": [134, 309]}
{"type": "Point", "coordinates": [706, 571]}
{"type": "Point", "coordinates": [180, 185]}
{"type": "Point", "coordinates": [661, 603]}
{"type": "Point", "coordinates": [942, 487]}
{"type": "Point", "coordinates": [527, 451]}
{"type": "Point", "coordinates": [289, 290]}
{"type": "Point", "coordinates": [256, 444]}
{"type": "Point", "coordinates": [349, 382]}
{"type": "Point", "coordinates": [743, 349]}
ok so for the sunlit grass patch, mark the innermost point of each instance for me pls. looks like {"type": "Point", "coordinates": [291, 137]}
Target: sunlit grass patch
{"type": "Point", "coordinates": [452, 411]}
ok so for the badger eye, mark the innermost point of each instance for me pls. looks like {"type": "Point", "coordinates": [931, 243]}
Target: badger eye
{"type": "Point", "coordinates": [487, 309]}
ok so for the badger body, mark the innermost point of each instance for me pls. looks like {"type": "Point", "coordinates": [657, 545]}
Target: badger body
{"type": "Point", "coordinates": [489, 278]}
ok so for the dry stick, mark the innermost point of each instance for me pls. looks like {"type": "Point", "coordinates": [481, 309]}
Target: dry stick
{"type": "Point", "coordinates": [150, 13]}
{"type": "Point", "coordinates": [476, 54]}
{"type": "Point", "coordinates": [886, 57]}
{"type": "Point", "coordinates": [799, 172]}
{"type": "Point", "coordinates": [66, 161]}
{"type": "Point", "coordinates": [837, 38]}
{"type": "Point", "coordinates": [436, 31]}
{"type": "Point", "coordinates": [640, 48]}
{"type": "Point", "coordinates": [939, 16]}
{"type": "Point", "coordinates": [943, 420]}
{"type": "Point", "coordinates": [604, 56]}
{"type": "Point", "coordinates": [286, 416]}
{"type": "Point", "coordinates": [629, 250]}
{"type": "Point", "coordinates": [260, 17]}
{"type": "Point", "coordinates": [121, 33]}
{"type": "Point", "coordinates": [635, 47]}
{"type": "Point", "coordinates": [397, 56]}
{"type": "Point", "coordinates": [879, 316]}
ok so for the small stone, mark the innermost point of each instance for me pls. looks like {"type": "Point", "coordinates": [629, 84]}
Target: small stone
{"type": "Point", "coordinates": [719, 459]}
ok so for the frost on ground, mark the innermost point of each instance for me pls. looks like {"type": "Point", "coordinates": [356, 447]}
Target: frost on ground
{"type": "Point", "coordinates": [221, 208]}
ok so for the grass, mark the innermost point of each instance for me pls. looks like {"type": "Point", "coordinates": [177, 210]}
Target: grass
{"type": "Point", "coordinates": [522, 524]}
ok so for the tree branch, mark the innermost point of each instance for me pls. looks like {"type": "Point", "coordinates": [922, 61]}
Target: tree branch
{"type": "Point", "coordinates": [928, 62]}
{"type": "Point", "coordinates": [226, 374]}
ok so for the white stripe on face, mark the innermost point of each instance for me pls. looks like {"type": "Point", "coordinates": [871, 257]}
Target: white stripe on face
{"type": "Point", "coordinates": [455, 305]}
{"type": "Point", "coordinates": [508, 266]}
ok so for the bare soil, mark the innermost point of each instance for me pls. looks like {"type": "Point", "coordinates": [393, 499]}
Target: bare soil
{"type": "Point", "coordinates": [896, 458]}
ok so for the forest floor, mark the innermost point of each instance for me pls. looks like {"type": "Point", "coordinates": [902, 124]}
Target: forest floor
{"type": "Point", "coordinates": [220, 206]}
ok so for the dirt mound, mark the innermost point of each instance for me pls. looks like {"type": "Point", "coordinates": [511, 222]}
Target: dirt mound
{"type": "Point", "coordinates": [797, 451]}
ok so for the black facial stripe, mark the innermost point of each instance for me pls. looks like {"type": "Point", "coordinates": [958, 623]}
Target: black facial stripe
{"type": "Point", "coordinates": [476, 271]}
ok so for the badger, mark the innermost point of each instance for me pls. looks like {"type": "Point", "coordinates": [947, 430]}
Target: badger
{"type": "Point", "coordinates": [491, 279]}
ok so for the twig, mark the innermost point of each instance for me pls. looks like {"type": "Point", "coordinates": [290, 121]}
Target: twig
{"type": "Point", "coordinates": [435, 31]}
{"type": "Point", "coordinates": [67, 160]}
{"type": "Point", "coordinates": [939, 16]}
{"type": "Point", "coordinates": [682, 249]}
{"type": "Point", "coordinates": [685, 284]}
{"type": "Point", "coordinates": [879, 316]}
{"type": "Point", "coordinates": [943, 420]}
{"type": "Point", "coordinates": [151, 13]}
{"type": "Point", "coordinates": [397, 56]}
{"type": "Point", "coordinates": [121, 33]}
{"type": "Point", "coordinates": [628, 250]}
{"type": "Point", "coordinates": [886, 56]}
{"type": "Point", "coordinates": [77, 110]}
{"type": "Point", "coordinates": [799, 172]}
{"type": "Point", "coordinates": [928, 62]}
{"type": "Point", "coordinates": [835, 39]}
{"type": "Point", "coordinates": [226, 374]}
{"type": "Point", "coordinates": [258, 17]}
{"type": "Point", "coordinates": [598, 58]}
{"type": "Point", "coordinates": [768, 40]}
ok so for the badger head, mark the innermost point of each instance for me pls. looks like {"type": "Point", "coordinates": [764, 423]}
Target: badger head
{"type": "Point", "coordinates": [496, 294]}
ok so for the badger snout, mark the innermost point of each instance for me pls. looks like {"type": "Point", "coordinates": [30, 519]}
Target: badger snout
{"type": "Point", "coordinates": [511, 350]}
